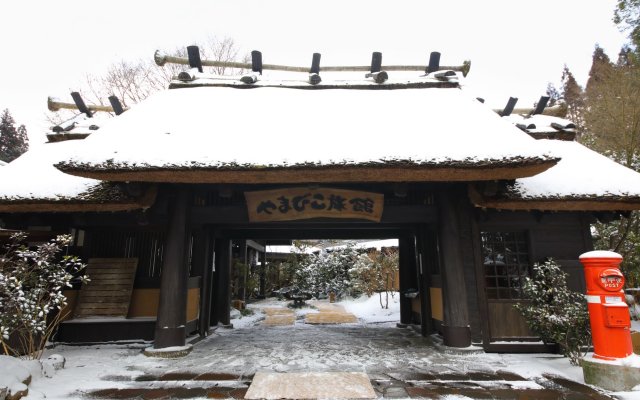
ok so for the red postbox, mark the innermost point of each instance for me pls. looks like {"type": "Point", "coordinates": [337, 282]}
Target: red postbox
{"type": "Point", "coordinates": [608, 311]}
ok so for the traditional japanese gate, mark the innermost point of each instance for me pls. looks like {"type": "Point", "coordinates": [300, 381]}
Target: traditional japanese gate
{"type": "Point", "coordinates": [429, 237]}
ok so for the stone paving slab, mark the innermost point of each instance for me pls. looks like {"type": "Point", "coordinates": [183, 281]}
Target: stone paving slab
{"type": "Point", "coordinates": [310, 385]}
{"type": "Point", "coordinates": [279, 317]}
{"type": "Point", "coordinates": [277, 311]}
{"type": "Point", "coordinates": [330, 318]}
{"type": "Point", "coordinates": [329, 313]}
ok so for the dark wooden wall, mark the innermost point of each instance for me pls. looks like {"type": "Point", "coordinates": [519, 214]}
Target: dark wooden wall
{"type": "Point", "coordinates": [562, 236]}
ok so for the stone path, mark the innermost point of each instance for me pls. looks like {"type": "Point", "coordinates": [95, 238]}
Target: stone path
{"type": "Point", "coordinates": [399, 363]}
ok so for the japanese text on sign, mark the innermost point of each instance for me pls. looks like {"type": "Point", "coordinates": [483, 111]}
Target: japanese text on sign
{"type": "Point", "coordinates": [303, 203]}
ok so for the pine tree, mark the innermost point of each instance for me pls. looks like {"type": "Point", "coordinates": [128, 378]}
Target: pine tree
{"type": "Point", "coordinates": [573, 96]}
{"type": "Point", "coordinates": [13, 141]}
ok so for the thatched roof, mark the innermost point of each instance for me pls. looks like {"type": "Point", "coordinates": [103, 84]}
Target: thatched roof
{"type": "Point", "coordinates": [582, 180]}
{"type": "Point", "coordinates": [284, 135]}
{"type": "Point", "coordinates": [32, 183]}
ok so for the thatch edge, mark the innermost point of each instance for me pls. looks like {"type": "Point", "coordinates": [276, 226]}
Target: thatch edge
{"type": "Point", "coordinates": [560, 203]}
{"type": "Point", "coordinates": [347, 174]}
{"type": "Point", "coordinates": [77, 205]}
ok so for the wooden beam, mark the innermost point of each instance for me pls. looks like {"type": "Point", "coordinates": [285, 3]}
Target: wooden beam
{"type": "Point", "coordinates": [238, 214]}
{"type": "Point", "coordinates": [255, 245]}
{"type": "Point", "coordinates": [172, 307]}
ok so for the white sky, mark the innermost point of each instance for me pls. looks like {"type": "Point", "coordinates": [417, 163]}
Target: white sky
{"type": "Point", "coordinates": [516, 47]}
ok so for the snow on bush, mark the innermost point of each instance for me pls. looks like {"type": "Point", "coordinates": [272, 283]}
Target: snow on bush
{"type": "Point", "coordinates": [327, 271]}
{"type": "Point", "coordinates": [554, 312]}
{"type": "Point", "coordinates": [31, 298]}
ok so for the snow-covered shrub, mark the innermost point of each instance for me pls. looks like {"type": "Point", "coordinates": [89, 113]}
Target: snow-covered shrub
{"type": "Point", "coordinates": [327, 271]}
{"type": "Point", "coordinates": [375, 272]}
{"type": "Point", "coordinates": [31, 298]}
{"type": "Point", "coordinates": [554, 312]}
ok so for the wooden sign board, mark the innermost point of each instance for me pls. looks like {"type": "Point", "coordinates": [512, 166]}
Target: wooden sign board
{"type": "Point", "coordinates": [289, 204]}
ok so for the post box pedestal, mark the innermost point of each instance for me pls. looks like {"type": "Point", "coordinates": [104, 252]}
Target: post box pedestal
{"type": "Point", "coordinates": [620, 375]}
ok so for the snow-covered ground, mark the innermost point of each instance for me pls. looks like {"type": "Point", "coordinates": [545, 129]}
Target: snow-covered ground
{"type": "Point", "coordinates": [373, 345]}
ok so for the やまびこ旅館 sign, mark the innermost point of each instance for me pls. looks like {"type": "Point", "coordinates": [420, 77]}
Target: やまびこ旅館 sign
{"type": "Point", "coordinates": [302, 203]}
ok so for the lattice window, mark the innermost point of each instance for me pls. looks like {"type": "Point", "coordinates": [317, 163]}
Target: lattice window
{"type": "Point", "coordinates": [506, 263]}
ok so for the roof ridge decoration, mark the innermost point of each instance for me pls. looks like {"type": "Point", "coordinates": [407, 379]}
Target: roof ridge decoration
{"type": "Point", "coordinates": [540, 122]}
{"type": "Point", "coordinates": [83, 124]}
{"type": "Point", "coordinates": [375, 73]}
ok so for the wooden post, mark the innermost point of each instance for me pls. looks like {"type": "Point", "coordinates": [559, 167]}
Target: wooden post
{"type": "Point", "coordinates": [456, 330]}
{"type": "Point", "coordinates": [408, 276]}
{"type": "Point", "coordinates": [172, 308]}
{"type": "Point", "coordinates": [245, 270]}
{"type": "Point", "coordinates": [223, 271]}
{"type": "Point", "coordinates": [201, 265]}
{"type": "Point", "coordinates": [263, 272]}
{"type": "Point", "coordinates": [425, 257]}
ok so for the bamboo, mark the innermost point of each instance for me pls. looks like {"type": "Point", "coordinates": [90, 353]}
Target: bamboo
{"type": "Point", "coordinates": [161, 59]}
{"type": "Point", "coordinates": [54, 104]}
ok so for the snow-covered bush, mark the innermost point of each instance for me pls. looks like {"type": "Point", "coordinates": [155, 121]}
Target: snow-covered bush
{"type": "Point", "coordinates": [31, 298]}
{"type": "Point", "coordinates": [327, 271]}
{"type": "Point", "coordinates": [554, 312]}
{"type": "Point", "coordinates": [375, 272]}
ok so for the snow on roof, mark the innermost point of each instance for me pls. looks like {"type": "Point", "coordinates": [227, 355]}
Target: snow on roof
{"type": "Point", "coordinates": [32, 178]}
{"type": "Point", "coordinates": [2, 163]}
{"type": "Point", "coordinates": [581, 174]}
{"type": "Point", "coordinates": [292, 249]}
{"type": "Point", "coordinates": [32, 175]}
{"type": "Point", "coordinates": [77, 127]}
{"type": "Point", "coordinates": [541, 126]}
{"type": "Point", "coordinates": [369, 244]}
{"type": "Point", "coordinates": [222, 128]}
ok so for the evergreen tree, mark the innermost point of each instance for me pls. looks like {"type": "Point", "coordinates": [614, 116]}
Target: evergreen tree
{"type": "Point", "coordinates": [627, 17]}
{"type": "Point", "coordinates": [573, 97]}
{"type": "Point", "coordinates": [13, 141]}
{"type": "Point", "coordinates": [611, 117]}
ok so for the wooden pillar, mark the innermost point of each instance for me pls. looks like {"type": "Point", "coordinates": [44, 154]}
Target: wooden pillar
{"type": "Point", "coordinates": [201, 261]}
{"type": "Point", "coordinates": [456, 330]}
{"type": "Point", "coordinates": [223, 272]}
{"type": "Point", "coordinates": [263, 272]}
{"type": "Point", "coordinates": [425, 257]}
{"type": "Point", "coordinates": [172, 308]}
{"type": "Point", "coordinates": [245, 269]}
{"type": "Point", "coordinates": [408, 275]}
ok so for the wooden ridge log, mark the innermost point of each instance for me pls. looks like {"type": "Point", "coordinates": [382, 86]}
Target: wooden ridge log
{"type": "Point", "coordinates": [54, 104]}
{"type": "Point", "coordinates": [161, 59]}
{"type": "Point", "coordinates": [559, 110]}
